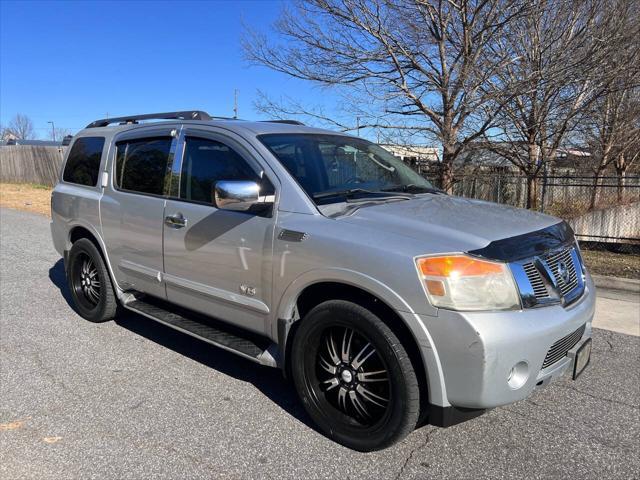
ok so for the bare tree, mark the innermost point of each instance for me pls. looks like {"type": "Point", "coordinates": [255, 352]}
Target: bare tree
{"type": "Point", "coordinates": [628, 148]}
{"type": "Point", "coordinates": [60, 133]}
{"type": "Point", "coordinates": [613, 131]}
{"type": "Point", "coordinates": [412, 66]}
{"type": "Point", "coordinates": [22, 127]}
{"type": "Point", "coordinates": [562, 54]}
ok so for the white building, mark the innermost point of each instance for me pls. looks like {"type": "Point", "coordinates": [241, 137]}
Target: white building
{"type": "Point", "coordinates": [414, 155]}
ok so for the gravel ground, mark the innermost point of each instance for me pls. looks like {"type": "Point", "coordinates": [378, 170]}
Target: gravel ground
{"type": "Point", "coordinates": [132, 400]}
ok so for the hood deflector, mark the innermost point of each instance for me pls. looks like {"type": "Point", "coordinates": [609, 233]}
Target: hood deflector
{"type": "Point", "coordinates": [528, 245]}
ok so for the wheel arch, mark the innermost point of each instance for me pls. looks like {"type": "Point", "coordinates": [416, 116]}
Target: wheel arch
{"type": "Point", "coordinates": [78, 231]}
{"type": "Point", "coordinates": [302, 296]}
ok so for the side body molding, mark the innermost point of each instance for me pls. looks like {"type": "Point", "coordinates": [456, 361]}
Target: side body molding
{"type": "Point", "coordinates": [430, 359]}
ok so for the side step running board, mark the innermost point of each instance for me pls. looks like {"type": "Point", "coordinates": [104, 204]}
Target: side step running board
{"type": "Point", "coordinates": [246, 344]}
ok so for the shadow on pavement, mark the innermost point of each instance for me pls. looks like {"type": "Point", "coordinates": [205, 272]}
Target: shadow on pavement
{"type": "Point", "coordinates": [58, 277]}
{"type": "Point", "coordinates": [269, 381]}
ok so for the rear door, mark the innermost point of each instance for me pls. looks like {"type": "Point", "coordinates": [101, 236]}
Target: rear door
{"type": "Point", "coordinates": [218, 262]}
{"type": "Point", "coordinates": [132, 208]}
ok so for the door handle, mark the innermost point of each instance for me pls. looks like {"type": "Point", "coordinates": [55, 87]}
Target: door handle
{"type": "Point", "coordinates": [175, 221]}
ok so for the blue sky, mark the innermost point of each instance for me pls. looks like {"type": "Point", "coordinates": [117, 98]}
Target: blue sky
{"type": "Point", "coordinates": [72, 62]}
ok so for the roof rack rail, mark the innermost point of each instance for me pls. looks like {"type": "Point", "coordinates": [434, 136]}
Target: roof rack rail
{"type": "Point", "coordinates": [132, 119]}
{"type": "Point", "coordinates": [289, 122]}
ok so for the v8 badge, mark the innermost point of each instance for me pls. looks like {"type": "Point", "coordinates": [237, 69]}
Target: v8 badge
{"type": "Point", "coordinates": [247, 290]}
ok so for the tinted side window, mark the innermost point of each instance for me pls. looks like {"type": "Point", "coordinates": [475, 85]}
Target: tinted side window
{"type": "Point", "coordinates": [141, 164]}
{"type": "Point", "coordinates": [83, 162]}
{"type": "Point", "coordinates": [206, 162]}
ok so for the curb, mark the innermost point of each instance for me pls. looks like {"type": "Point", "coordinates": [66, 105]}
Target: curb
{"type": "Point", "coordinates": [617, 283]}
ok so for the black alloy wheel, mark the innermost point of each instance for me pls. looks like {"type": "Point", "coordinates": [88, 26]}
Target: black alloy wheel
{"type": "Point", "coordinates": [357, 384]}
{"type": "Point", "coordinates": [354, 376]}
{"type": "Point", "coordinates": [86, 281]}
{"type": "Point", "coordinates": [90, 283]}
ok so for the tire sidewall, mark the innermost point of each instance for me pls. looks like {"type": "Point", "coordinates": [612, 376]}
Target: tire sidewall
{"type": "Point", "coordinates": [399, 419]}
{"type": "Point", "coordinates": [85, 246]}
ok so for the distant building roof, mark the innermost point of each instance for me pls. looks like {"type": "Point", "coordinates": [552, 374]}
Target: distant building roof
{"type": "Point", "coordinates": [40, 143]}
{"type": "Point", "coordinates": [8, 135]}
{"type": "Point", "coordinates": [412, 152]}
{"type": "Point", "coordinates": [481, 155]}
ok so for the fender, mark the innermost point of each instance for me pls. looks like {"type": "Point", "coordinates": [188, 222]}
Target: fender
{"type": "Point", "coordinates": [428, 351]}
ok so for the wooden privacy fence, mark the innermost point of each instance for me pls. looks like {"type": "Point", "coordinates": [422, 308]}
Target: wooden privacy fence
{"type": "Point", "coordinates": [30, 164]}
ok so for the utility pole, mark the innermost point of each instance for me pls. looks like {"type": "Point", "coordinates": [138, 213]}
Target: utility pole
{"type": "Point", "coordinates": [53, 131]}
{"type": "Point", "coordinates": [235, 103]}
{"type": "Point", "coordinates": [358, 126]}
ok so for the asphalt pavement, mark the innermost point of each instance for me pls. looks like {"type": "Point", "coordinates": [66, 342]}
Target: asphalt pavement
{"type": "Point", "coordinates": [133, 399]}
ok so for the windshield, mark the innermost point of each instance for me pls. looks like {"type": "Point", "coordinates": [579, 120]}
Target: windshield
{"type": "Point", "coordinates": [332, 167]}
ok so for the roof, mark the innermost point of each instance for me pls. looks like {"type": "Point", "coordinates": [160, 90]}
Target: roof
{"type": "Point", "coordinates": [255, 128]}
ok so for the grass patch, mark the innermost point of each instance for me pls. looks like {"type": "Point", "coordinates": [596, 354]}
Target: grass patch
{"type": "Point", "coordinates": [37, 186]}
{"type": "Point", "coordinates": [28, 197]}
{"type": "Point", "coordinates": [603, 262]}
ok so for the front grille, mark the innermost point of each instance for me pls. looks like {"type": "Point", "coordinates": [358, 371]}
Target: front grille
{"type": "Point", "coordinates": [559, 349]}
{"type": "Point", "coordinates": [554, 261]}
{"type": "Point", "coordinates": [564, 268]}
{"type": "Point", "coordinates": [539, 290]}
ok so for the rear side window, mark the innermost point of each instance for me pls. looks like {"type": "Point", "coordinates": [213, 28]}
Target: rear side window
{"type": "Point", "coordinates": [141, 164]}
{"type": "Point", "coordinates": [83, 162]}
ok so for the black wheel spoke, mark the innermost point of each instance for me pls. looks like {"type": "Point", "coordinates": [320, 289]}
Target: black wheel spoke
{"type": "Point", "coordinates": [331, 347]}
{"type": "Point", "coordinates": [346, 345]}
{"type": "Point", "coordinates": [327, 366]}
{"type": "Point", "coordinates": [362, 357]}
{"type": "Point", "coordinates": [358, 404]}
{"type": "Point", "coordinates": [332, 383]}
{"type": "Point", "coordinates": [371, 397]}
{"type": "Point", "coordinates": [379, 376]}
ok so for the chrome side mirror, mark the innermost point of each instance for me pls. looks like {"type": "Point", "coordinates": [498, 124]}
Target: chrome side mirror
{"type": "Point", "coordinates": [237, 195]}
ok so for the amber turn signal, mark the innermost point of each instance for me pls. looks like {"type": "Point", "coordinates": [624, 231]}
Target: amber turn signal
{"type": "Point", "coordinates": [457, 266]}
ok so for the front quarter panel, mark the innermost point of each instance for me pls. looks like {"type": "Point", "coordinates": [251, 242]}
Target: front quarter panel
{"type": "Point", "coordinates": [339, 253]}
{"type": "Point", "coordinates": [352, 255]}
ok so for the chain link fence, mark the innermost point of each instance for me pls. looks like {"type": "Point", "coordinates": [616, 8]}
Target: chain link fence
{"type": "Point", "coordinates": [603, 212]}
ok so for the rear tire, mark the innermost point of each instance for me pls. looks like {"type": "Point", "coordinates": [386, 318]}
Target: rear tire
{"type": "Point", "coordinates": [90, 283]}
{"type": "Point", "coordinates": [354, 377]}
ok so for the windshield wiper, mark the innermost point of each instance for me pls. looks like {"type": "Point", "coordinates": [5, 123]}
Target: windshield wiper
{"type": "Point", "coordinates": [349, 194]}
{"type": "Point", "coordinates": [412, 188]}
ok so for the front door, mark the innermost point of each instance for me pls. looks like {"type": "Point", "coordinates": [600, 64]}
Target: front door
{"type": "Point", "coordinates": [217, 262]}
{"type": "Point", "coordinates": [132, 208]}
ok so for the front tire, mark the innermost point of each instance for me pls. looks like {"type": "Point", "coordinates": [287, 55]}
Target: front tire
{"type": "Point", "coordinates": [354, 377]}
{"type": "Point", "coordinates": [90, 283]}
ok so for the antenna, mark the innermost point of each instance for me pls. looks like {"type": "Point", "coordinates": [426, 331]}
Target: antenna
{"type": "Point", "coordinates": [235, 103]}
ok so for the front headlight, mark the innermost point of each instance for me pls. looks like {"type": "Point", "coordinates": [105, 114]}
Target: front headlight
{"type": "Point", "coordinates": [462, 282]}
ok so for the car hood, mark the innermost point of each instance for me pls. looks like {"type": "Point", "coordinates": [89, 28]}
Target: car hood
{"type": "Point", "coordinates": [447, 223]}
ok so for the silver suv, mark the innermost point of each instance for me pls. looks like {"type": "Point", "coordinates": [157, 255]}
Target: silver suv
{"type": "Point", "coordinates": [389, 303]}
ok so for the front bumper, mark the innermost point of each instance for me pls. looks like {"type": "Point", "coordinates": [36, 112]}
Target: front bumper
{"type": "Point", "coordinates": [477, 350]}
